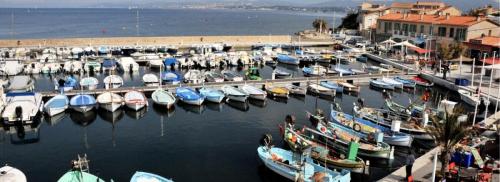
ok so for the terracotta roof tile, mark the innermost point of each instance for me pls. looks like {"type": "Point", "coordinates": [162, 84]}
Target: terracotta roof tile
{"type": "Point", "coordinates": [432, 19]}
{"type": "Point", "coordinates": [401, 5]}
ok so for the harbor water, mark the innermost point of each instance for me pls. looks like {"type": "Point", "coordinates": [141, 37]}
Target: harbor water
{"type": "Point", "coordinates": [212, 142]}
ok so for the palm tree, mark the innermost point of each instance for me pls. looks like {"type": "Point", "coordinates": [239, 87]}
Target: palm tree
{"type": "Point", "coordinates": [447, 133]}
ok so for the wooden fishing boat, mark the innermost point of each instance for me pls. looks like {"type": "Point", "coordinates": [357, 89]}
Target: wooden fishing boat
{"type": "Point", "coordinates": [212, 95]}
{"type": "Point", "coordinates": [150, 80]}
{"type": "Point", "coordinates": [254, 93]}
{"type": "Point", "coordinates": [381, 84]}
{"type": "Point", "coordinates": [189, 96]}
{"type": "Point", "coordinates": [89, 83]}
{"type": "Point", "coordinates": [376, 116]}
{"type": "Point", "coordinates": [408, 83]}
{"type": "Point", "coordinates": [163, 98]}
{"type": "Point", "coordinates": [349, 86]}
{"type": "Point", "coordinates": [286, 164]}
{"type": "Point", "coordinates": [369, 128]}
{"type": "Point", "coordinates": [79, 172]}
{"type": "Point", "coordinates": [393, 82]}
{"type": "Point", "coordinates": [110, 101]}
{"type": "Point", "coordinates": [235, 94]}
{"type": "Point", "coordinates": [344, 135]}
{"type": "Point", "coordinates": [314, 70]}
{"type": "Point", "coordinates": [82, 103]}
{"type": "Point", "coordinates": [320, 90]}
{"type": "Point", "coordinates": [422, 82]}
{"type": "Point", "coordinates": [296, 90]}
{"type": "Point", "coordinates": [322, 153]}
{"type": "Point", "coordinates": [56, 105]}
{"type": "Point", "coordinates": [278, 73]}
{"type": "Point", "coordinates": [113, 81]}
{"type": "Point", "coordinates": [212, 76]}
{"type": "Point", "coordinates": [232, 76]}
{"type": "Point", "coordinates": [332, 85]}
{"type": "Point", "coordinates": [277, 91]}
{"type": "Point", "coordinates": [253, 74]}
{"type": "Point", "coordinates": [135, 100]}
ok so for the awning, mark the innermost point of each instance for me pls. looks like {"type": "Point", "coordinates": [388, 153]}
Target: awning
{"type": "Point", "coordinates": [419, 50]}
{"type": "Point", "coordinates": [419, 40]}
{"type": "Point", "coordinates": [490, 60]}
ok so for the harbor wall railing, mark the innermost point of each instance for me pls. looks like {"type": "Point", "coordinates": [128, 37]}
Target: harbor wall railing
{"type": "Point", "coordinates": [150, 41]}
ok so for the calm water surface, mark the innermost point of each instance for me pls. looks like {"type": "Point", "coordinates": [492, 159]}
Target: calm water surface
{"type": "Point", "coordinates": [214, 142]}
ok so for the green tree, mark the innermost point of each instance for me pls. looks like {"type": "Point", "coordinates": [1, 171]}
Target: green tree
{"type": "Point", "coordinates": [350, 21]}
{"type": "Point", "coordinates": [320, 25]}
{"type": "Point", "coordinates": [454, 50]}
{"type": "Point", "coordinates": [447, 133]}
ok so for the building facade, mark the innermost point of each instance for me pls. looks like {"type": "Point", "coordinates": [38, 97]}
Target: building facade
{"type": "Point", "coordinates": [441, 29]}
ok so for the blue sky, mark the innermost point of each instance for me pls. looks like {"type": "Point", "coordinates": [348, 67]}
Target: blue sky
{"type": "Point", "coordinates": [463, 4]}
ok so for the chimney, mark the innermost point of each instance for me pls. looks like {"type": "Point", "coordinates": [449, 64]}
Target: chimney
{"type": "Point", "coordinates": [478, 18]}
{"type": "Point", "coordinates": [421, 17]}
{"type": "Point", "coordinates": [447, 16]}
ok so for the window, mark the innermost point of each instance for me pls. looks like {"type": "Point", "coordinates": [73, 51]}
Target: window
{"type": "Point", "coordinates": [413, 28]}
{"type": "Point", "coordinates": [489, 32]}
{"type": "Point", "coordinates": [397, 26]}
{"type": "Point", "coordinates": [461, 34]}
{"type": "Point", "coordinates": [452, 32]}
{"type": "Point", "coordinates": [431, 30]}
{"type": "Point", "coordinates": [379, 25]}
{"type": "Point", "coordinates": [421, 29]}
{"type": "Point", "coordinates": [442, 31]}
{"type": "Point", "coordinates": [405, 29]}
{"type": "Point", "coordinates": [387, 27]}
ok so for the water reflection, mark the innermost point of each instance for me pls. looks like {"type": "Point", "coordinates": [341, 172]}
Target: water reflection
{"type": "Point", "coordinates": [113, 118]}
{"type": "Point", "coordinates": [163, 111]}
{"type": "Point", "coordinates": [258, 103]}
{"type": "Point", "coordinates": [191, 108]}
{"type": "Point", "coordinates": [242, 106]}
{"type": "Point", "coordinates": [279, 99]}
{"type": "Point", "coordinates": [136, 114]}
{"type": "Point", "coordinates": [83, 119]}
{"type": "Point", "coordinates": [214, 106]}
{"type": "Point", "coordinates": [53, 120]}
{"type": "Point", "coordinates": [23, 134]}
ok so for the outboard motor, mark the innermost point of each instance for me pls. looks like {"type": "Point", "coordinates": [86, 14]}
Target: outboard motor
{"type": "Point", "coordinates": [91, 70]}
{"type": "Point", "coordinates": [361, 102]}
{"type": "Point", "coordinates": [290, 120]}
{"type": "Point", "coordinates": [19, 112]}
{"type": "Point", "coordinates": [266, 140]}
{"type": "Point", "coordinates": [130, 68]}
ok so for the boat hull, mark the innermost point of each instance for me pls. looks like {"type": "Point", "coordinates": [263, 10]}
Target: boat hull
{"type": "Point", "coordinates": [196, 102]}
{"type": "Point", "coordinates": [52, 111]}
{"type": "Point", "coordinates": [111, 107]}
{"type": "Point", "coordinates": [237, 98]}
{"type": "Point", "coordinates": [216, 99]}
{"type": "Point", "coordinates": [83, 108]}
{"type": "Point", "coordinates": [135, 105]}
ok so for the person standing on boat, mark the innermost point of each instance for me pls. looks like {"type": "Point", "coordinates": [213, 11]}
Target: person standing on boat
{"type": "Point", "coordinates": [409, 163]}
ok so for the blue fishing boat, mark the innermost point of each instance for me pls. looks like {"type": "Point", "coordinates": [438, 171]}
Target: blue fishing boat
{"type": "Point", "coordinates": [82, 102]}
{"type": "Point", "coordinates": [171, 77]}
{"type": "Point", "coordinates": [212, 95]}
{"type": "Point", "coordinates": [145, 177]}
{"type": "Point", "coordinates": [406, 82]}
{"type": "Point", "coordinates": [367, 127]}
{"type": "Point", "coordinates": [56, 105]}
{"type": "Point", "coordinates": [67, 84]}
{"type": "Point", "coordinates": [189, 96]}
{"type": "Point", "coordinates": [381, 84]}
{"type": "Point", "coordinates": [288, 165]}
{"type": "Point", "coordinates": [314, 70]}
{"type": "Point", "coordinates": [333, 86]}
{"type": "Point", "coordinates": [287, 59]}
{"type": "Point", "coordinates": [109, 64]}
{"type": "Point", "coordinates": [169, 62]}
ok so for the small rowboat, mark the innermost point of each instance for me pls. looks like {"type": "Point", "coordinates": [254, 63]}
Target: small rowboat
{"type": "Point", "coordinates": [148, 177]}
{"type": "Point", "coordinates": [381, 84]}
{"type": "Point", "coordinates": [110, 101]}
{"type": "Point", "coordinates": [56, 105]}
{"type": "Point", "coordinates": [320, 90]}
{"type": "Point", "coordinates": [189, 96]}
{"type": "Point", "coordinates": [135, 100]}
{"type": "Point", "coordinates": [163, 98]}
{"type": "Point", "coordinates": [296, 90]}
{"type": "Point", "coordinates": [277, 91]}
{"type": "Point", "coordinates": [212, 95]}
{"type": "Point", "coordinates": [332, 85]}
{"type": "Point", "coordinates": [422, 82]}
{"type": "Point", "coordinates": [113, 81]}
{"type": "Point", "coordinates": [236, 94]}
{"type": "Point", "coordinates": [349, 87]}
{"type": "Point", "coordinates": [391, 81]}
{"type": "Point", "coordinates": [254, 92]}
{"type": "Point", "coordinates": [406, 82]}
{"type": "Point", "coordinates": [82, 103]}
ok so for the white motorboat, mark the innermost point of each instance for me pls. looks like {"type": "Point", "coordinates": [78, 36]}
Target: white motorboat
{"type": "Point", "coordinates": [11, 68]}
{"type": "Point", "coordinates": [212, 76]}
{"type": "Point", "coordinates": [89, 83]}
{"type": "Point", "coordinates": [163, 98]}
{"type": "Point", "coordinates": [73, 66]}
{"type": "Point", "coordinates": [392, 82]}
{"type": "Point", "coordinates": [135, 100]}
{"type": "Point", "coordinates": [232, 76]}
{"type": "Point", "coordinates": [254, 92]}
{"type": "Point", "coordinates": [21, 84]}
{"type": "Point", "coordinates": [10, 174]}
{"type": "Point", "coordinates": [469, 97]}
{"type": "Point", "coordinates": [128, 64]}
{"type": "Point", "coordinates": [155, 63]}
{"type": "Point", "coordinates": [110, 101]}
{"type": "Point", "coordinates": [51, 68]}
{"type": "Point", "coordinates": [33, 68]}
{"type": "Point", "coordinates": [24, 107]}
{"type": "Point", "coordinates": [381, 84]}
{"type": "Point", "coordinates": [194, 76]}
{"type": "Point", "coordinates": [236, 94]}
{"type": "Point", "coordinates": [296, 90]}
{"type": "Point", "coordinates": [113, 81]}
{"type": "Point", "coordinates": [150, 80]}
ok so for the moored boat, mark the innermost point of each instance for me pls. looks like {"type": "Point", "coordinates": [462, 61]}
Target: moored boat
{"type": "Point", "coordinates": [332, 85]}
{"type": "Point", "coordinates": [381, 84]}
{"type": "Point", "coordinates": [212, 95]}
{"type": "Point", "coordinates": [393, 82]}
{"type": "Point", "coordinates": [254, 92]}
{"type": "Point", "coordinates": [79, 172]}
{"type": "Point", "coordinates": [170, 77]}
{"type": "Point", "coordinates": [469, 97]}
{"type": "Point", "coordinates": [89, 83]}
{"type": "Point", "coordinates": [150, 80]}
{"type": "Point", "coordinates": [296, 90]}
{"type": "Point", "coordinates": [163, 98]}
{"type": "Point", "coordinates": [314, 70]}
{"type": "Point", "coordinates": [82, 102]}
{"type": "Point", "coordinates": [287, 59]}
{"type": "Point", "coordinates": [11, 174]}
{"type": "Point", "coordinates": [194, 76]}
{"type": "Point", "coordinates": [277, 91]}
{"type": "Point", "coordinates": [135, 100]}
{"type": "Point", "coordinates": [148, 177]}
{"type": "Point", "coordinates": [113, 81]}
{"type": "Point", "coordinates": [189, 96]}
{"type": "Point", "coordinates": [320, 90]}
{"type": "Point", "coordinates": [24, 107]}
{"type": "Point", "coordinates": [422, 82]}
{"type": "Point", "coordinates": [232, 76]}
{"type": "Point", "coordinates": [212, 76]}
{"type": "Point", "coordinates": [235, 94]}
{"type": "Point", "coordinates": [406, 82]}
{"type": "Point", "coordinates": [56, 105]}
{"type": "Point", "coordinates": [21, 84]}
{"type": "Point", "coordinates": [349, 86]}
{"type": "Point", "coordinates": [110, 101]}
{"type": "Point", "coordinates": [278, 73]}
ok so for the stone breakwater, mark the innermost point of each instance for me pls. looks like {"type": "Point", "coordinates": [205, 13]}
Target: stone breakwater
{"type": "Point", "coordinates": [179, 41]}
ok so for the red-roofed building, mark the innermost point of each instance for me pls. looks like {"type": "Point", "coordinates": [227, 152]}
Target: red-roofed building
{"type": "Point", "coordinates": [422, 7]}
{"type": "Point", "coordinates": [443, 29]}
{"type": "Point", "coordinates": [477, 47]}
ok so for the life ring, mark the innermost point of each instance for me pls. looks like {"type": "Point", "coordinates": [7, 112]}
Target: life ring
{"type": "Point", "coordinates": [356, 127]}
{"type": "Point", "coordinates": [323, 129]}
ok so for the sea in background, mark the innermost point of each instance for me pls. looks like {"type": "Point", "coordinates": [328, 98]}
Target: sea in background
{"type": "Point", "coordinates": [65, 23]}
